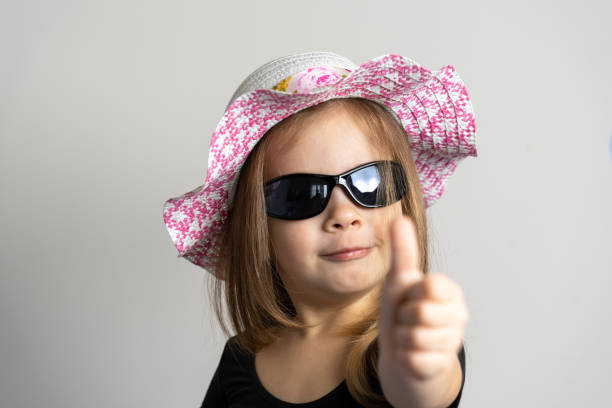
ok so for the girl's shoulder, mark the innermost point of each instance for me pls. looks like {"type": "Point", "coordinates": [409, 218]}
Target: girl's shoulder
{"type": "Point", "coordinates": [235, 362]}
{"type": "Point", "coordinates": [233, 348]}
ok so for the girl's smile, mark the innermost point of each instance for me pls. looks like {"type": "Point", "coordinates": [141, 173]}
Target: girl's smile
{"type": "Point", "coordinates": [347, 254]}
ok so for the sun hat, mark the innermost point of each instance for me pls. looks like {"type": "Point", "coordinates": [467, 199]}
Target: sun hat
{"type": "Point", "coordinates": [433, 107]}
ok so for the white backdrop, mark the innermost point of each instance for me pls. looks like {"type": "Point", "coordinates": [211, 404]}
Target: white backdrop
{"type": "Point", "coordinates": [106, 110]}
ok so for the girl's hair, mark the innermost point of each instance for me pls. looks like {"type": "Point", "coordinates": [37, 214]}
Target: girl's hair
{"type": "Point", "coordinates": [257, 302]}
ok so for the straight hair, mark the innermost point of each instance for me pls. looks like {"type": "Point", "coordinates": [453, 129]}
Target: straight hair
{"type": "Point", "coordinates": [253, 293]}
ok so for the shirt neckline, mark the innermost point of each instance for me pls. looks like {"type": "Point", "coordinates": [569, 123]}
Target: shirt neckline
{"type": "Point", "coordinates": [327, 398]}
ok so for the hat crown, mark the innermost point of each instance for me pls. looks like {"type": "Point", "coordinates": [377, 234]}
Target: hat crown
{"type": "Point", "coordinates": [271, 73]}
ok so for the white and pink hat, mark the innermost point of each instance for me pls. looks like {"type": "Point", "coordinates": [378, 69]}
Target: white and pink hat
{"type": "Point", "coordinates": [433, 107]}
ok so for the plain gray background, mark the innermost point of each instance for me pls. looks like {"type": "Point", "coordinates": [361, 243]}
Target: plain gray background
{"type": "Point", "coordinates": [106, 110]}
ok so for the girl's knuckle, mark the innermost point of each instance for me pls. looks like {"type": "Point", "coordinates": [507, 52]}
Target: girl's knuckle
{"type": "Point", "coordinates": [415, 337]}
{"type": "Point", "coordinates": [420, 311]}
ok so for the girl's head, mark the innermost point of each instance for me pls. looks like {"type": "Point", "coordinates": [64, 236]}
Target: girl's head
{"type": "Point", "coordinates": [269, 264]}
{"type": "Point", "coordinates": [433, 108]}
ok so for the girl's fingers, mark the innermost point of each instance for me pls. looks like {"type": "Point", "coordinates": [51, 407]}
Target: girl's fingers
{"type": "Point", "coordinates": [424, 364]}
{"type": "Point", "coordinates": [440, 339]}
{"type": "Point", "coordinates": [436, 287]}
{"type": "Point", "coordinates": [428, 313]}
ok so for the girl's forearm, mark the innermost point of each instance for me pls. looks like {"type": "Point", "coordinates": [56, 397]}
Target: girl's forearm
{"type": "Point", "coordinates": [436, 392]}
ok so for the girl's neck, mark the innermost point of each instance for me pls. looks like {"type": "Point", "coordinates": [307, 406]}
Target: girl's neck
{"type": "Point", "coordinates": [330, 323]}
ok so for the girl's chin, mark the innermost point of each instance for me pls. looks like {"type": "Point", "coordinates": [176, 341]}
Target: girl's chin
{"type": "Point", "coordinates": [348, 282]}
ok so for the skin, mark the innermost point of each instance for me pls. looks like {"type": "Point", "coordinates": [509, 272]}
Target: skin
{"type": "Point", "coordinates": [422, 317]}
{"type": "Point", "coordinates": [327, 293]}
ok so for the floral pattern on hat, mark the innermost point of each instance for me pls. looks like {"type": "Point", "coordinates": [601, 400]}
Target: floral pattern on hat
{"type": "Point", "coordinates": [311, 79]}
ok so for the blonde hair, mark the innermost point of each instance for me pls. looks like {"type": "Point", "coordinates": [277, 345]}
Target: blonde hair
{"type": "Point", "coordinates": [256, 299]}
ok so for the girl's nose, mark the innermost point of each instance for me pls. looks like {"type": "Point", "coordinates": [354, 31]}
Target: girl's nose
{"type": "Point", "coordinates": [341, 212]}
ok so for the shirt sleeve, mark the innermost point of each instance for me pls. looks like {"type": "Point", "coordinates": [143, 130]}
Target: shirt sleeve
{"type": "Point", "coordinates": [455, 403]}
{"type": "Point", "coordinates": [215, 396]}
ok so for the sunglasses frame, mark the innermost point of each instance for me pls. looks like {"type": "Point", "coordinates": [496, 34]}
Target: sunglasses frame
{"type": "Point", "coordinates": [339, 180]}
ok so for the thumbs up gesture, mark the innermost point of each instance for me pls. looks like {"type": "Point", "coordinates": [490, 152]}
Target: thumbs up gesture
{"type": "Point", "coordinates": [422, 323]}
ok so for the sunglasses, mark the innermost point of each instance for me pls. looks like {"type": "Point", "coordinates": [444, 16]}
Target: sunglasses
{"type": "Point", "coordinates": [300, 196]}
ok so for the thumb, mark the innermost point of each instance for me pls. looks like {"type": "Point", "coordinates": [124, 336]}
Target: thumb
{"type": "Point", "coordinates": [405, 267]}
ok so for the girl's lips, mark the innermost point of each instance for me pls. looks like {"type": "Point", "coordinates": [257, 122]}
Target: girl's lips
{"type": "Point", "coordinates": [349, 254]}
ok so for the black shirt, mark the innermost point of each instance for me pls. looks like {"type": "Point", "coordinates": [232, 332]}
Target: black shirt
{"type": "Point", "coordinates": [235, 384]}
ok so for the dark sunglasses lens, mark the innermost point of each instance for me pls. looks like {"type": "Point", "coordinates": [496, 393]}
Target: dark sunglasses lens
{"type": "Point", "coordinates": [370, 184]}
{"type": "Point", "coordinates": [364, 184]}
{"type": "Point", "coordinates": [296, 198]}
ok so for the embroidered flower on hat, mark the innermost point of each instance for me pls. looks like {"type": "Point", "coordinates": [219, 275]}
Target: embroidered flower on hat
{"type": "Point", "coordinates": [310, 79]}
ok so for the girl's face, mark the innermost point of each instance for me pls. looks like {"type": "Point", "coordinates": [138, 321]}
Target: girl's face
{"type": "Point", "coordinates": [329, 143]}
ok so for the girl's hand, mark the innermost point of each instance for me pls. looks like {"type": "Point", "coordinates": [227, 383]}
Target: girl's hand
{"type": "Point", "coordinates": [423, 317]}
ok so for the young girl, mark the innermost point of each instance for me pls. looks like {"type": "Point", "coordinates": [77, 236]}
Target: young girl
{"type": "Point", "coordinates": [312, 223]}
